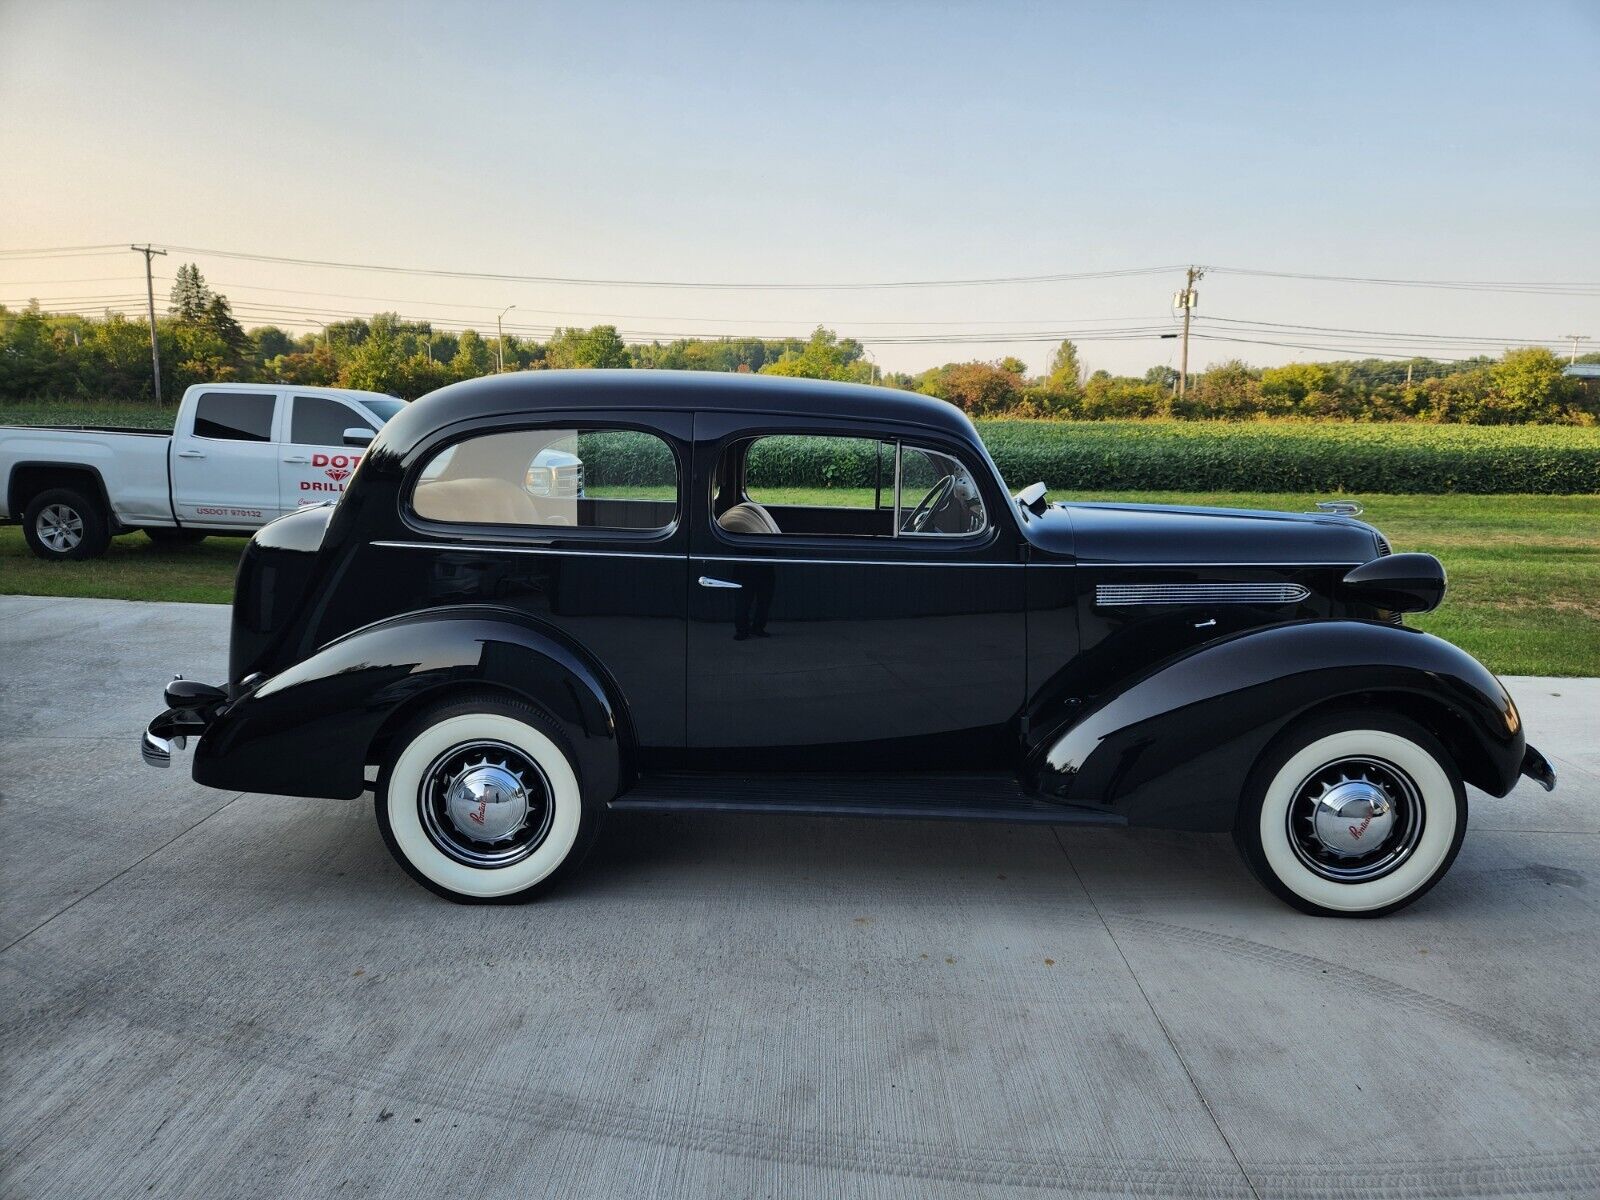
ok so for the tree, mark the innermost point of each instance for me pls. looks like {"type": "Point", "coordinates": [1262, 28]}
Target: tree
{"type": "Point", "coordinates": [218, 318]}
{"type": "Point", "coordinates": [977, 388]}
{"type": "Point", "coordinates": [377, 364]}
{"type": "Point", "coordinates": [1286, 390]}
{"type": "Point", "coordinates": [190, 295]}
{"type": "Point", "coordinates": [1066, 372]}
{"type": "Point", "coordinates": [825, 356]}
{"type": "Point", "coordinates": [314, 367]}
{"type": "Point", "coordinates": [601, 346]}
{"type": "Point", "coordinates": [1527, 385]}
{"type": "Point", "coordinates": [471, 358]}
{"type": "Point", "coordinates": [270, 342]}
{"type": "Point", "coordinates": [1162, 376]}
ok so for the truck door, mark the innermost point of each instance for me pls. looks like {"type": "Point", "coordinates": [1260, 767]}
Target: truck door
{"type": "Point", "coordinates": [316, 464]}
{"type": "Point", "coordinates": [224, 461]}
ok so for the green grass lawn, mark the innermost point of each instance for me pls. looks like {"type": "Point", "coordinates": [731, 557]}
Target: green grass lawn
{"type": "Point", "coordinates": [1524, 570]}
{"type": "Point", "coordinates": [84, 412]}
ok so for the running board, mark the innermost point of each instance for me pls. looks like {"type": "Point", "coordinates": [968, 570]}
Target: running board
{"type": "Point", "coordinates": [916, 797]}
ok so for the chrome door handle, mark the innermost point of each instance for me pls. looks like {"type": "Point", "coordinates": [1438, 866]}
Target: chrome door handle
{"type": "Point", "coordinates": [707, 581]}
{"type": "Point", "coordinates": [298, 458]}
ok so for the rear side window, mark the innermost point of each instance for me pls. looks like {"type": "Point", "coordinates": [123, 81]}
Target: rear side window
{"type": "Point", "coordinates": [234, 417]}
{"type": "Point", "coordinates": [318, 421]}
{"type": "Point", "coordinates": [553, 478]}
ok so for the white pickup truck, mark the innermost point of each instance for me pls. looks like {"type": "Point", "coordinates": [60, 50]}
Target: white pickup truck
{"type": "Point", "coordinates": [239, 455]}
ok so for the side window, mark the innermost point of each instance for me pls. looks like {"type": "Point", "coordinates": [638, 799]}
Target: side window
{"type": "Point", "coordinates": [938, 496]}
{"type": "Point", "coordinates": [318, 421]}
{"type": "Point", "coordinates": [234, 417]}
{"type": "Point", "coordinates": [844, 487]}
{"type": "Point", "coordinates": [553, 478]}
{"type": "Point", "coordinates": [836, 472]}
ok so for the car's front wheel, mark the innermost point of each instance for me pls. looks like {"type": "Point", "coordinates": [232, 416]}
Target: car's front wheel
{"type": "Point", "coordinates": [480, 801]}
{"type": "Point", "coordinates": [1354, 815]}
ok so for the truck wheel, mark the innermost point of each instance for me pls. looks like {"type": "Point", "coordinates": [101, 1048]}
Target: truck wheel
{"type": "Point", "coordinates": [63, 523]}
{"type": "Point", "coordinates": [1352, 815]}
{"type": "Point", "coordinates": [480, 802]}
{"type": "Point", "coordinates": [165, 535]}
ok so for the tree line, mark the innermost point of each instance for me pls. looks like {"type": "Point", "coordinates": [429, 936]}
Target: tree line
{"type": "Point", "coordinates": [47, 355]}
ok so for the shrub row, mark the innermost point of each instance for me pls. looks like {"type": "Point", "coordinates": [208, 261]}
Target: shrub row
{"type": "Point", "coordinates": [1293, 456]}
{"type": "Point", "coordinates": [1251, 456]}
{"type": "Point", "coordinates": [1083, 456]}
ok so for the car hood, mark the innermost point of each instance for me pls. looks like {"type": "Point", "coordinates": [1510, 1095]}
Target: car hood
{"type": "Point", "coordinates": [1113, 534]}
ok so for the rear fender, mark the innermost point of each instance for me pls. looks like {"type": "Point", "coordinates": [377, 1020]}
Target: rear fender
{"type": "Point", "coordinates": [1174, 746]}
{"type": "Point", "coordinates": [311, 730]}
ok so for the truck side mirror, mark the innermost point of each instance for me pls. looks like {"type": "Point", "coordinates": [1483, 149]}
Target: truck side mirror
{"type": "Point", "coordinates": [361, 436]}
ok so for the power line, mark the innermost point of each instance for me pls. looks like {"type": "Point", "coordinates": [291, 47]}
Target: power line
{"type": "Point", "coordinates": [707, 285]}
{"type": "Point", "coordinates": [1391, 334]}
{"type": "Point", "coordinates": [1552, 287]}
{"type": "Point", "coordinates": [60, 252]}
{"type": "Point", "coordinates": [1548, 287]}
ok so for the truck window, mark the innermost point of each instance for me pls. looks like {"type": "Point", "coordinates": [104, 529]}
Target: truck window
{"type": "Point", "coordinates": [318, 421]}
{"type": "Point", "coordinates": [234, 417]}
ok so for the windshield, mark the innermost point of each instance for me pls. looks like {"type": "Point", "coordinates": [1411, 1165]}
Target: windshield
{"type": "Point", "coordinates": [382, 409]}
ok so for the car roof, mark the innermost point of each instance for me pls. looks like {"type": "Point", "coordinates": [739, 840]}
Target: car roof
{"type": "Point", "coordinates": [679, 391]}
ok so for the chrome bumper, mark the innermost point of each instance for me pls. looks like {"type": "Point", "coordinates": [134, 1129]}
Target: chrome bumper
{"type": "Point", "coordinates": [156, 750]}
{"type": "Point", "coordinates": [191, 707]}
{"type": "Point", "coordinates": [1537, 768]}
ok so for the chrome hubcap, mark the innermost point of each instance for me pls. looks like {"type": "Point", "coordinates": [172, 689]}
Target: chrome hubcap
{"type": "Point", "coordinates": [1355, 820]}
{"type": "Point", "coordinates": [59, 527]}
{"type": "Point", "coordinates": [485, 804]}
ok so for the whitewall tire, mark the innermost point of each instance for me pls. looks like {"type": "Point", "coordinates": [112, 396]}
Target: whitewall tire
{"type": "Point", "coordinates": [1357, 814]}
{"type": "Point", "coordinates": [481, 803]}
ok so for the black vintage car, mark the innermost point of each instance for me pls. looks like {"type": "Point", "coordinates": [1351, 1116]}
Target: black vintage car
{"type": "Point", "coordinates": [787, 596]}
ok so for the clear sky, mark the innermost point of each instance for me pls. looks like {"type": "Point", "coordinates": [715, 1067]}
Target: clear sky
{"type": "Point", "coordinates": [821, 143]}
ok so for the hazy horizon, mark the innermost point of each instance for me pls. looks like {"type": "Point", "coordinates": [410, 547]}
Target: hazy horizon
{"type": "Point", "coordinates": [786, 144]}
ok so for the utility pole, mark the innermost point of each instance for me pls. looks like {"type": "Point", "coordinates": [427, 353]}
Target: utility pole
{"type": "Point", "coordinates": [150, 298]}
{"type": "Point", "coordinates": [1186, 300]}
{"type": "Point", "coordinates": [500, 340]}
{"type": "Point", "coordinates": [1574, 338]}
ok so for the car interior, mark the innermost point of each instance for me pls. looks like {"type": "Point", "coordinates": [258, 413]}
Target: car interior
{"type": "Point", "coordinates": [484, 481]}
{"type": "Point", "coordinates": [938, 496]}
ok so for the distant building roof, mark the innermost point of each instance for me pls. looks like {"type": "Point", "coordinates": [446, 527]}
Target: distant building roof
{"type": "Point", "coordinates": [1583, 371]}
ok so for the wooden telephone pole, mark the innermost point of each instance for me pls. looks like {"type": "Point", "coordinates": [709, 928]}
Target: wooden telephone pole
{"type": "Point", "coordinates": [150, 299]}
{"type": "Point", "coordinates": [1186, 300]}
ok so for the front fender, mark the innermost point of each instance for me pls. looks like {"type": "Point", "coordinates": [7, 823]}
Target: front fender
{"type": "Point", "coordinates": [308, 730]}
{"type": "Point", "coordinates": [1175, 745]}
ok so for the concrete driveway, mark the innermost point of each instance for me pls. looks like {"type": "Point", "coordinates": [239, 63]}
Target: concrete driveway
{"type": "Point", "coordinates": [205, 994]}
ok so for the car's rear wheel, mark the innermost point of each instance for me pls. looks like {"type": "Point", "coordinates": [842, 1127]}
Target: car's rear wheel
{"type": "Point", "coordinates": [63, 523]}
{"type": "Point", "coordinates": [1356, 814]}
{"type": "Point", "coordinates": [481, 802]}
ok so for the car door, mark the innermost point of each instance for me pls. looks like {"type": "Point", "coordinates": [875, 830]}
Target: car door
{"type": "Point", "coordinates": [497, 516]}
{"type": "Point", "coordinates": [315, 464]}
{"type": "Point", "coordinates": [225, 460]}
{"type": "Point", "coordinates": [823, 633]}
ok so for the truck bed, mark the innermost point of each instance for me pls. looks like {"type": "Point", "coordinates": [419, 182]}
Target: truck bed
{"type": "Point", "coordinates": [144, 432]}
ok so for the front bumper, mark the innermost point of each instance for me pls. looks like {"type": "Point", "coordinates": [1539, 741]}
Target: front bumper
{"type": "Point", "coordinates": [191, 708]}
{"type": "Point", "coordinates": [1537, 768]}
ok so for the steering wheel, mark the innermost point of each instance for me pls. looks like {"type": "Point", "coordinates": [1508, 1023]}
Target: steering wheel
{"type": "Point", "coordinates": [930, 505]}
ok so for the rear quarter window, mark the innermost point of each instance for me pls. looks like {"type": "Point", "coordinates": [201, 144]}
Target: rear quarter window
{"type": "Point", "coordinates": [614, 479]}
